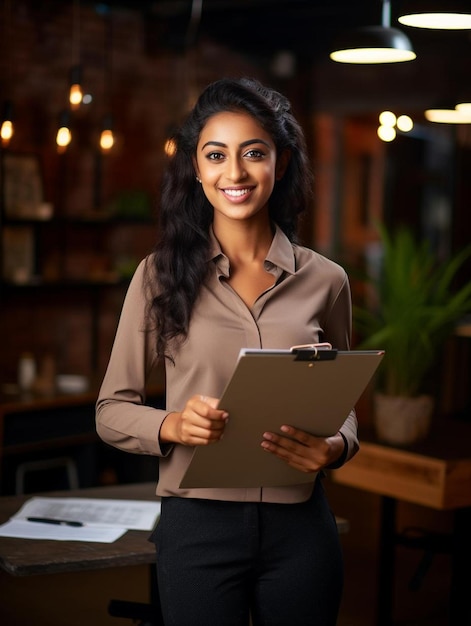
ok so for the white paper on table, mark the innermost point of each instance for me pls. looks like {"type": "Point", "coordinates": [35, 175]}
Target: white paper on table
{"type": "Point", "coordinates": [127, 514]}
{"type": "Point", "coordinates": [23, 529]}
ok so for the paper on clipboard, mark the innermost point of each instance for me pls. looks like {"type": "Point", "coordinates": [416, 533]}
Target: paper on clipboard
{"type": "Point", "coordinates": [312, 391]}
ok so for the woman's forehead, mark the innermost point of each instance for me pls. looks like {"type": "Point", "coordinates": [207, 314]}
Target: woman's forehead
{"type": "Point", "coordinates": [233, 126]}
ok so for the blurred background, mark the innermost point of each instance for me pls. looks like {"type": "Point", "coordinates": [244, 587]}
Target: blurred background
{"type": "Point", "coordinates": [80, 180]}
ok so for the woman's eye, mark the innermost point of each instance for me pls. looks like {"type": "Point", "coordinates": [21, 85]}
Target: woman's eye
{"type": "Point", "coordinates": [215, 156]}
{"type": "Point", "coordinates": [254, 154]}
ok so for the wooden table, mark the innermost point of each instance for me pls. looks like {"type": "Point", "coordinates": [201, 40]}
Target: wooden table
{"type": "Point", "coordinates": [48, 557]}
{"type": "Point", "coordinates": [435, 473]}
{"type": "Point", "coordinates": [18, 558]}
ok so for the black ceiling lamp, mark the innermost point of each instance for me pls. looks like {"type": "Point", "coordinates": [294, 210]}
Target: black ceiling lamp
{"type": "Point", "coordinates": [374, 44]}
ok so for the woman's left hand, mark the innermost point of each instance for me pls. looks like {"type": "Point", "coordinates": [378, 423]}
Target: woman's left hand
{"type": "Point", "coordinates": [303, 451]}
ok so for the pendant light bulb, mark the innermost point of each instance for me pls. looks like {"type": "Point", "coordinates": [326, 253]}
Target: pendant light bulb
{"type": "Point", "coordinates": [107, 137]}
{"type": "Point", "coordinates": [75, 95]}
{"type": "Point", "coordinates": [64, 136]}
{"type": "Point", "coordinates": [7, 129]}
{"type": "Point", "coordinates": [6, 132]}
{"type": "Point", "coordinates": [76, 92]}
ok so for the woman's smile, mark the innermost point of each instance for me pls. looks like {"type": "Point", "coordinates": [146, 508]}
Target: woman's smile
{"type": "Point", "coordinates": [238, 194]}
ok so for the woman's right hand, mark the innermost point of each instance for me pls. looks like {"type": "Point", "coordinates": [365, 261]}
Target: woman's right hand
{"type": "Point", "coordinates": [199, 424]}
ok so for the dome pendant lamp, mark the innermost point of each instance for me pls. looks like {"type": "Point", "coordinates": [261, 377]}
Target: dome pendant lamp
{"type": "Point", "coordinates": [374, 44]}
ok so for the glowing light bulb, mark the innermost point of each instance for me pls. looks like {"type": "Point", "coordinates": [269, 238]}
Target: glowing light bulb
{"type": "Point", "coordinates": [6, 132]}
{"type": "Point", "coordinates": [75, 95]}
{"type": "Point", "coordinates": [387, 118]}
{"type": "Point", "coordinates": [106, 139]}
{"type": "Point", "coordinates": [405, 123]}
{"type": "Point", "coordinates": [64, 137]}
{"type": "Point", "coordinates": [386, 133]}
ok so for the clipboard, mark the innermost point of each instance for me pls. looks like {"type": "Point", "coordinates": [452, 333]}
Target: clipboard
{"type": "Point", "coordinates": [310, 387]}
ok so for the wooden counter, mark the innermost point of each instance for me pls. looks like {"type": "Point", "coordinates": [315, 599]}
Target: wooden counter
{"type": "Point", "coordinates": [435, 473]}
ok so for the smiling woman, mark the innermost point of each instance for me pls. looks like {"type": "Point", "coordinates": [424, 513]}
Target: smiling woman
{"type": "Point", "coordinates": [227, 274]}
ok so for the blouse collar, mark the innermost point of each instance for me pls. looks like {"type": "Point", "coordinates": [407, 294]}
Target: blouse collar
{"type": "Point", "coordinates": [280, 254]}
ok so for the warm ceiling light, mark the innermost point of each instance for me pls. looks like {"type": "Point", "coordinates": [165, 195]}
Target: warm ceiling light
{"type": "Point", "coordinates": [75, 93]}
{"type": "Point", "coordinates": [464, 107]}
{"type": "Point", "coordinates": [448, 116]}
{"type": "Point", "coordinates": [107, 137]}
{"type": "Point", "coordinates": [386, 133]}
{"type": "Point", "coordinates": [387, 118]}
{"type": "Point", "coordinates": [436, 14]}
{"type": "Point", "coordinates": [7, 128]}
{"type": "Point", "coordinates": [444, 21]}
{"type": "Point", "coordinates": [64, 136]}
{"type": "Point", "coordinates": [405, 123]}
{"type": "Point", "coordinates": [374, 44]}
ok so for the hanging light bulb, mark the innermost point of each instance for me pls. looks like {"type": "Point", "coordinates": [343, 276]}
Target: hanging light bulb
{"type": "Point", "coordinates": [387, 118]}
{"type": "Point", "coordinates": [107, 137]}
{"type": "Point", "coordinates": [64, 136]}
{"type": "Point", "coordinates": [386, 133]}
{"type": "Point", "coordinates": [75, 93]}
{"type": "Point", "coordinates": [405, 123]}
{"type": "Point", "coordinates": [7, 128]}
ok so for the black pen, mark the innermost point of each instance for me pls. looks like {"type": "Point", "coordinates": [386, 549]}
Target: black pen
{"type": "Point", "coordinates": [49, 520]}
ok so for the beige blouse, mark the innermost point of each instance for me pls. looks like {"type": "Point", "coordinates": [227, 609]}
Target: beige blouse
{"type": "Point", "coordinates": [309, 302]}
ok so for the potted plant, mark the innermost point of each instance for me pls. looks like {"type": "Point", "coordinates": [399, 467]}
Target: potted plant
{"type": "Point", "coordinates": [412, 308]}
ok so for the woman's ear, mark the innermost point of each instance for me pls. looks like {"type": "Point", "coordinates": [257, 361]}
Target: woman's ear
{"type": "Point", "coordinates": [282, 163]}
{"type": "Point", "coordinates": [197, 174]}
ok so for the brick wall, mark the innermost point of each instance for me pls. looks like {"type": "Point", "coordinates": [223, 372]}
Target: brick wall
{"type": "Point", "coordinates": [147, 87]}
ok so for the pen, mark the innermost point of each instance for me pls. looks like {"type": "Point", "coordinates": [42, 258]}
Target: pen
{"type": "Point", "coordinates": [49, 520]}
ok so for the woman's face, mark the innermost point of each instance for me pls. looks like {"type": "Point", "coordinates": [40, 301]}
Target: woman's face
{"type": "Point", "coordinates": [236, 161]}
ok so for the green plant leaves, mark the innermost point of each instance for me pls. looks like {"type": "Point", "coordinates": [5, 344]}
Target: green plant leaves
{"type": "Point", "coordinates": [412, 309]}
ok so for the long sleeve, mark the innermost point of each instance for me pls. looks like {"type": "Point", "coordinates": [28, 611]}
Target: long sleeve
{"type": "Point", "coordinates": [337, 331]}
{"type": "Point", "coordinates": [122, 418]}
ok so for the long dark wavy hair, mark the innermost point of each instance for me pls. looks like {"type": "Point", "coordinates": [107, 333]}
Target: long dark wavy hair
{"type": "Point", "coordinates": [180, 259]}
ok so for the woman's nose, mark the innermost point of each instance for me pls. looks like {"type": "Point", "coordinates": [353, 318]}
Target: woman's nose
{"type": "Point", "coordinates": [236, 170]}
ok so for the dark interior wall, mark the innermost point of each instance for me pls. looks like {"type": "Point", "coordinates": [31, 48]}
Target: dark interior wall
{"type": "Point", "coordinates": [148, 86]}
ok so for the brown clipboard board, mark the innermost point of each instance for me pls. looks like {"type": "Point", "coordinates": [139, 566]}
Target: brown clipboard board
{"type": "Point", "coordinates": [307, 388]}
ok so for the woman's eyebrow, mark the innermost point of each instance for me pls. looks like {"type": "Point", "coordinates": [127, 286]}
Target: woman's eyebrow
{"type": "Point", "coordinates": [244, 144]}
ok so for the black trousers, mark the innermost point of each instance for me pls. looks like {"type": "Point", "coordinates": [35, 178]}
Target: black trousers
{"type": "Point", "coordinates": [218, 562]}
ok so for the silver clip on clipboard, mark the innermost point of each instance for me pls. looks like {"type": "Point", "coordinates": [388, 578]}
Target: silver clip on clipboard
{"type": "Point", "coordinates": [310, 387]}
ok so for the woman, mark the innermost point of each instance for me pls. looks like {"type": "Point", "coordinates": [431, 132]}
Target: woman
{"type": "Point", "coordinates": [227, 274]}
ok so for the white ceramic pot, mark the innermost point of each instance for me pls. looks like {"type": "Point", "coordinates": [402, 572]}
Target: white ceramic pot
{"type": "Point", "coordinates": [401, 420]}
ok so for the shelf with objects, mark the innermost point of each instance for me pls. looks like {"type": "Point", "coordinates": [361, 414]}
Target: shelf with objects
{"type": "Point", "coordinates": [64, 271]}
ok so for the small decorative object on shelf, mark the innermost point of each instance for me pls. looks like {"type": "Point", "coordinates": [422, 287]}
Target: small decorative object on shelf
{"type": "Point", "coordinates": [26, 372]}
{"type": "Point", "coordinates": [23, 187]}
